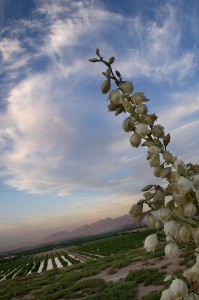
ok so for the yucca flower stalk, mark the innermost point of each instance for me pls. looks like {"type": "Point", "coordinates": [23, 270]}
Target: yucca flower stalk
{"type": "Point", "coordinates": [177, 202]}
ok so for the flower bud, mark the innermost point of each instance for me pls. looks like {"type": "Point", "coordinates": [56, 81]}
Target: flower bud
{"type": "Point", "coordinates": [184, 185]}
{"type": "Point", "coordinates": [105, 87]}
{"type": "Point", "coordinates": [179, 199]}
{"type": "Point", "coordinates": [180, 167]}
{"type": "Point", "coordinates": [171, 249]}
{"type": "Point", "coordinates": [158, 170]}
{"type": "Point", "coordinates": [153, 151]}
{"type": "Point", "coordinates": [150, 119]}
{"type": "Point", "coordinates": [128, 106]}
{"type": "Point", "coordinates": [128, 124]}
{"type": "Point", "coordinates": [168, 278]}
{"type": "Point", "coordinates": [142, 129]}
{"type": "Point", "coordinates": [93, 60]}
{"type": "Point", "coordinates": [142, 109]}
{"type": "Point", "coordinates": [151, 221]}
{"type": "Point", "coordinates": [195, 271]}
{"type": "Point", "coordinates": [171, 228]}
{"type": "Point", "coordinates": [147, 187]}
{"type": "Point", "coordinates": [185, 234]}
{"type": "Point", "coordinates": [188, 275]}
{"type": "Point", "coordinates": [127, 87]}
{"type": "Point", "coordinates": [166, 295]}
{"type": "Point", "coordinates": [158, 131]}
{"type": "Point", "coordinates": [108, 72]}
{"type": "Point", "coordinates": [139, 218]}
{"type": "Point", "coordinates": [158, 200]}
{"type": "Point", "coordinates": [190, 210]}
{"type": "Point", "coordinates": [168, 157]}
{"type": "Point", "coordinates": [115, 97]}
{"type": "Point", "coordinates": [136, 210]}
{"type": "Point", "coordinates": [164, 214]}
{"type": "Point", "coordinates": [166, 139]}
{"type": "Point", "coordinates": [178, 289]}
{"type": "Point", "coordinates": [135, 140]}
{"type": "Point", "coordinates": [151, 242]}
{"type": "Point", "coordinates": [148, 195]}
{"type": "Point", "coordinates": [174, 177]}
{"type": "Point", "coordinates": [138, 98]}
{"type": "Point", "coordinates": [111, 60]}
{"type": "Point", "coordinates": [154, 161]}
{"type": "Point", "coordinates": [192, 274]}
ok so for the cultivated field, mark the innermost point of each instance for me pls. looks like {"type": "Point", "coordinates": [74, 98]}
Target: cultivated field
{"type": "Point", "coordinates": [111, 268]}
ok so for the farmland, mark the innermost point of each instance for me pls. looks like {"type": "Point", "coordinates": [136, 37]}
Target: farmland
{"type": "Point", "coordinates": [108, 268]}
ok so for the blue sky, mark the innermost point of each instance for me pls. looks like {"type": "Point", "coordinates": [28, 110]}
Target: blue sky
{"type": "Point", "coordinates": [65, 160]}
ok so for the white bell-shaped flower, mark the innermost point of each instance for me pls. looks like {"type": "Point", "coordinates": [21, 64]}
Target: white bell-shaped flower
{"type": "Point", "coordinates": [127, 87]}
{"type": "Point", "coordinates": [190, 210]}
{"type": "Point", "coordinates": [138, 98]}
{"type": "Point", "coordinates": [115, 97]}
{"type": "Point", "coordinates": [142, 129]}
{"type": "Point", "coordinates": [142, 109]}
{"type": "Point", "coordinates": [171, 249]}
{"type": "Point", "coordinates": [171, 228]}
{"type": "Point", "coordinates": [185, 234]}
{"type": "Point", "coordinates": [158, 131]}
{"type": "Point", "coordinates": [192, 274]}
{"type": "Point", "coordinates": [151, 221]}
{"type": "Point", "coordinates": [178, 289]}
{"type": "Point", "coordinates": [153, 151]}
{"type": "Point", "coordinates": [166, 295]}
{"type": "Point", "coordinates": [180, 167]}
{"type": "Point", "coordinates": [135, 140]}
{"type": "Point", "coordinates": [184, 185]}
{"type": "Point", "coordinates": [154, 161]}
{"type": "Point", "coordinates": [164, 213]}
{"type": "Point", "coordinates": [151, 242]}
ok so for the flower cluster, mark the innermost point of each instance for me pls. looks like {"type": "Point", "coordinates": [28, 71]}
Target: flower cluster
{"type": "Point", "coordinates": [177, 203]}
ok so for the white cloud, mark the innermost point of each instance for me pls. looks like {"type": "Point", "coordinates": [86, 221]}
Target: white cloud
{"type": "Point", "coordinates": [156, 52]}
{"type": "Point", "coordinates": [50, 132]}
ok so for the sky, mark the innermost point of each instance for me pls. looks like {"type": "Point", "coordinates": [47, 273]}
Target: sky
{"type": "Point", "coordinates": [64, 159]}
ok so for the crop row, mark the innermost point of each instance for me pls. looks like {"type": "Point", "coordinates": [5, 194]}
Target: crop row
{"type": "Point", "coordinates": [26, 266]}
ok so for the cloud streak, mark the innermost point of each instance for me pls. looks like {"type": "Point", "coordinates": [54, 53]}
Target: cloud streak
{"type": "Point", "coordinates": [56, 137]}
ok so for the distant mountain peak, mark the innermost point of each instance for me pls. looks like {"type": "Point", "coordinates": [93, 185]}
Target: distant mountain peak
{"type": "Point", "coordinates": [100, 226]}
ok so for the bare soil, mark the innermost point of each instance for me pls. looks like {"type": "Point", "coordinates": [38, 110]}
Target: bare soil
{"type": "Point", "coordinates": [168, 265]}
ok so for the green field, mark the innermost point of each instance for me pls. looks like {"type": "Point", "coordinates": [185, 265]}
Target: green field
{"type": "Point", "coordinates": [75, 282]}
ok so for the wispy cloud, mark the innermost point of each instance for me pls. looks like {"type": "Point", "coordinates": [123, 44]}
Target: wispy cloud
{"type": "Point", "coordinates": [156, 52]}
{"type": "Point", "coordinates": [50, 142]}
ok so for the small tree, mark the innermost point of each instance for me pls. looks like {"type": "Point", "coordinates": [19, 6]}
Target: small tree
{"type": "Point", "coordinates": [177, 203]}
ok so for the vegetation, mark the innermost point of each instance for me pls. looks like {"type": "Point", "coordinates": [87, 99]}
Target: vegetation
{"type": "Point", "coordinates": [76, 282]}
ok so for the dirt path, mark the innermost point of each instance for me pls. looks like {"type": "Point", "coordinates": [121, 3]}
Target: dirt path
{"type": "Point", "coordinates": [168, 265]}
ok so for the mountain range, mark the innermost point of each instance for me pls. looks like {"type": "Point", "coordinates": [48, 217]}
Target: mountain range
{"type": "Point", "coordinates": [98, 227]}
{"type": "Point", "coordinates": [101, 226]}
